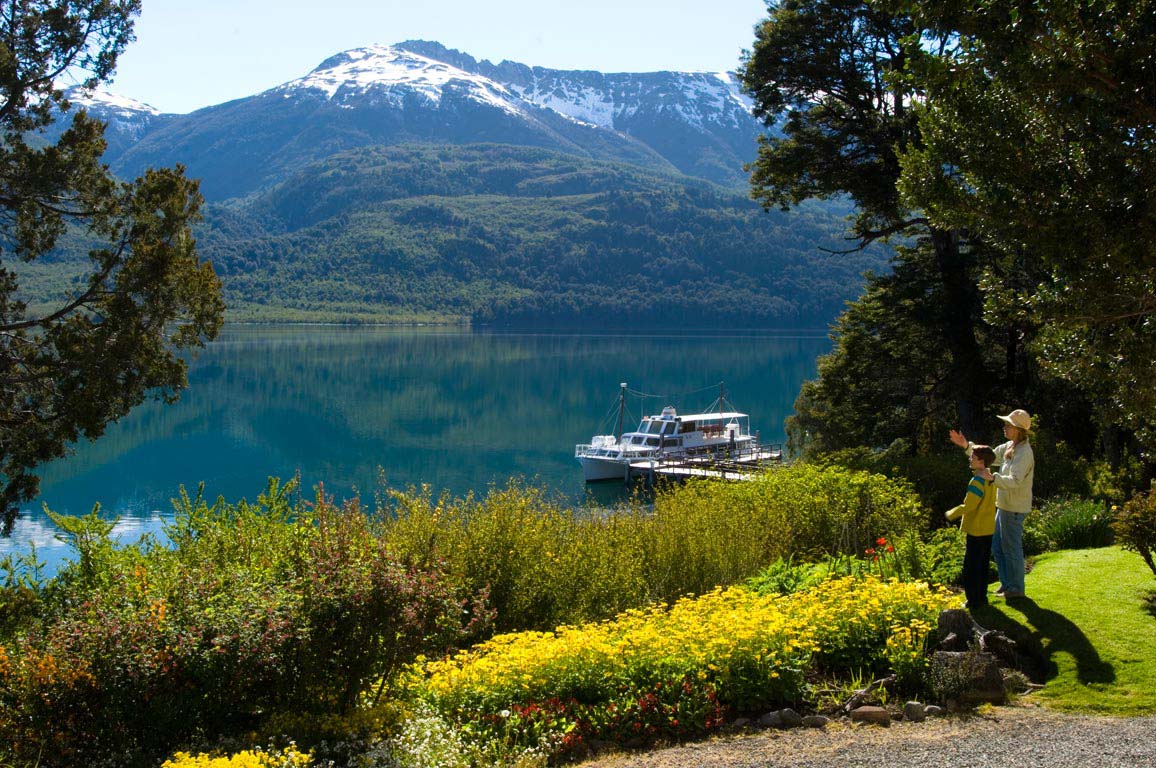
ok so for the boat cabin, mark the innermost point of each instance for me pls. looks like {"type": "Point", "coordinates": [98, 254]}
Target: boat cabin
{"type": "Point", "coordinates": [669, 429]}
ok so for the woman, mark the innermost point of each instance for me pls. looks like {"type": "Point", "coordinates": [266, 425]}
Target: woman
{"type": "Point", "coordinates": [1013, 498]}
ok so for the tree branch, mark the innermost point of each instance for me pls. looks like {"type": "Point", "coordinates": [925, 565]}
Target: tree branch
{"type": "Point", "coordinates": [92, 291]}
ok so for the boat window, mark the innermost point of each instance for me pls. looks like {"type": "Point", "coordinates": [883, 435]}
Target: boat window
{"type": "Point", "coordinates": [652, 441]}
{"type": "Point", "coordinates": [668, 428]}
{"type": "Point", "coordinates": [637, 440]}
{"type": "Point", "coordinates": [655, 427]}
{"type": "Point", "coordinates": [687, 426]}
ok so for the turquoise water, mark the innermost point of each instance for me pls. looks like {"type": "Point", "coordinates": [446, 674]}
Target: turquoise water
{"type": "Point", "coordinates": [455, 409]}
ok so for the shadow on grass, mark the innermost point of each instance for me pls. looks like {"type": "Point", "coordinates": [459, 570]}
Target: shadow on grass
{"type": "Point", "coordinates": [1060, 635]}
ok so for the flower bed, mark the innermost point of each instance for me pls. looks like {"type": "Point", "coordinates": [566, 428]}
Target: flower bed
{"type": "Point", "coordinates": [678, 671]}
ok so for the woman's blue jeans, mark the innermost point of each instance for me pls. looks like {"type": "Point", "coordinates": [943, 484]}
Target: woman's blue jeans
{"type": "Point", "coordinates": [1007, 546]}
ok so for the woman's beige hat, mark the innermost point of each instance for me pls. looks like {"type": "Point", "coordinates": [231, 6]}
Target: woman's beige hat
{"type": "Point", "coordinates": [1019, 418]}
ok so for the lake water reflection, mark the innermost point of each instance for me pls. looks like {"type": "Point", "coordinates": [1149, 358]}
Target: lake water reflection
{"type": "Point", "coordinates": [454, 409]}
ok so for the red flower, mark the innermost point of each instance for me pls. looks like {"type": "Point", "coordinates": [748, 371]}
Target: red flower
{"type": "Point", "coordinates": [881, 541]}
{"type": "Point", "coordinates": [869, 551]}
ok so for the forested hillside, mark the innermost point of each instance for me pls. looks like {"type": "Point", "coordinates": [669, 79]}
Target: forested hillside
{"type": "Point", "coordinates": [502, 234]}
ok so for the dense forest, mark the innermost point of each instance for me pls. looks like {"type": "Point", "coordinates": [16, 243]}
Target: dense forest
{"type": "Point", "coordinates": [498, 234]}
{"type": "Point", "coordinates": [503, 234]}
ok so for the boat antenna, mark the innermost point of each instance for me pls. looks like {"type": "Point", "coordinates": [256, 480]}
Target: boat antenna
{"type": "Point", "coordinates": [621, 408]}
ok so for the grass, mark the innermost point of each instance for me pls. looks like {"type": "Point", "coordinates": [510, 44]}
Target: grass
{"type": "Point", "coordinates": [1088, 626]}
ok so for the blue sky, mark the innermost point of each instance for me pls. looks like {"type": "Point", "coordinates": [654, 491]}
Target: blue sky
{"type": "Point", "coordinates": [195, 53]}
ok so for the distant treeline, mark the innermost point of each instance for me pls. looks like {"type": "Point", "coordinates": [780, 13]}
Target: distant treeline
{"type": "Point", "coordinates": [517, 235]}
{"type": "Point", "coordinates": [497, 234]}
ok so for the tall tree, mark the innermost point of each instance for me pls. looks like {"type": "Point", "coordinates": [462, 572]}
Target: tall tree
{"type": "Point", "coordinates": [832, 69]}
{"type": "Point", "coordinates": [68, 369]}
{"type": "Point", "coordinates": [885, 378]}
{"type": "Point", "coordinates": [1039, 134]}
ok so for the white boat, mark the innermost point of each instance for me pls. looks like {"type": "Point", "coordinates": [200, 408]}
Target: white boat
{"type": "Point", "coordinates": [667, 436]}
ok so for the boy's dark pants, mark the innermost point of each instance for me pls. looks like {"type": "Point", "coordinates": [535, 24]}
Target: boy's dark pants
{"type": "Point", "coordinates": [975, 558]}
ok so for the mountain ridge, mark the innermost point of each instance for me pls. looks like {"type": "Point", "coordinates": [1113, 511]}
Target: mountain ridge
{"type": "Point", "coordinates": [414, 181]}
{"type": "Point", "coordinates": [698, 124]}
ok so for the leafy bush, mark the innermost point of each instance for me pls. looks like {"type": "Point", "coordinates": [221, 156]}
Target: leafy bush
{"type": "Point", "coordinates": [937, 560]}
{"type": "Point", "coordinates": [784, 577]}
{"type": "Point", "coordinates": [1069, 523]}
{"type": "Point", "coordinates": [544, 564]}
{"type": "Point", "coordinates": [254, 609]}
{"type": "Point", "coordinates": [541, 563]}
{"type": "Point", "coordinates": [1135, 524]}
{"type": "Point", "coordinates": [427, 740]}
{"type": "Point", "coordinates": [1035, 536]}
{"type": "Point", "coordinates": [938, 479]}
{"type": "Point", "coordinates": [704, 534]}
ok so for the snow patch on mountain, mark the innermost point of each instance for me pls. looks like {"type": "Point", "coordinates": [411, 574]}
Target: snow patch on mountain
{"type": "Point", "coordinates": [130, 117]}
{"type": "Point", "coordinates": [699, 98]}
{"type": "Point", "coordinates": [105, 101]}
{"type": "Point", "coordinates": [396, 74]}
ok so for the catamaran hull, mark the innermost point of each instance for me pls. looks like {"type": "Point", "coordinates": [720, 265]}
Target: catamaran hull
{"type": "Point", "coordinates": [602, 469]}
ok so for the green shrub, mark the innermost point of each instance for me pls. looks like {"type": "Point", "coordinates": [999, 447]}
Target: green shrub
{"type": "Point", "coordinates": [254, 612]}
{"type": "Point", "coordinates": [1035, 536]}
{"type": "Point", "coordinates": [1135, 525]}
{"type": "Point", "coordinates": [540, 562]}
{"type": "Point", "coordinates": [1069, 523]}
{"type": "Point", "coordinates": [939, 480]}
{"type": "Point", "coordinates": [706, 534]}
{"type": "Point", "coordinates": [784, 577]}
{"type": "Point", "coordinates": [544, 564]}
{"type": "Point", "coordinates": [254, 609]}
{"type": "Point", "coordinates": [936, 559]}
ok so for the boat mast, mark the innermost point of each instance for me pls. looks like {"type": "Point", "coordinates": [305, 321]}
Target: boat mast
{"type": "Point", "coordinates": [621, 409]}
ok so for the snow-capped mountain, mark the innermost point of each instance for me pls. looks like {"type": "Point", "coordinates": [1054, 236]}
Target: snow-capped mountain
{"type": "Point", "coordinates": [695, 123]}
{"type": "Point", "coordinates": [395, 75]}
{"type": "Point", "coordinates": [127, 120]}
{"type": "Point", "coordinates": [704, 99]}
{"type": "Point", "coordinates": [125, 114]}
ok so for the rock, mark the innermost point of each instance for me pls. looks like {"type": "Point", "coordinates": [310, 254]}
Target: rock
{"type": "Point", "coordinates": [771, 720]}
{"type": "Point", "coordinates": [816, 721]}
{"type": "Point", "coordinates": [933, 711]}
{"type": "Point", "coordinates": [790, 718]}
{"type": "Point", "coordinates": [872, 715]}
{"type": "Point", "coordinates": [955, 629]}
{"type": "Point", "coordinates": [741, 722]}
{"type": "Point", "coordinates": [999, 644]}
{"type": "Point", "coordinates": [969, 678]}
{"type": "Point", "coordinates": [914, 711]}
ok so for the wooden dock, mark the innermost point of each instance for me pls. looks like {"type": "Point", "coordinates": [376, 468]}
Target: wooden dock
{"type": "Point", "coordinates": [720, 466]}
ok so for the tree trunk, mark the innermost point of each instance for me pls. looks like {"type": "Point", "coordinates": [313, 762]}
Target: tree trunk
{"type": "Point", "coordinates": [962, 303]}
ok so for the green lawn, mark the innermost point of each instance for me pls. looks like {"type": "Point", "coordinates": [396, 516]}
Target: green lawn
{"type": "Point", "coordinates": [1089, 628]}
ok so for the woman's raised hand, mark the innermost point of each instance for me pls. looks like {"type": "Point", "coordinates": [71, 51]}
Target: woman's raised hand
{"type": "Point", "coordinates": [957, 438]}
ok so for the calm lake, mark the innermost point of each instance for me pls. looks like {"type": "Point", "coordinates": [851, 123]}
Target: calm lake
{"type": "Point", "coordinates": [455, 409]}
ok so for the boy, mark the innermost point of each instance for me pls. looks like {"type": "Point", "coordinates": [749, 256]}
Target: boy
{"type": "Point", "coordinates": [977, 519]}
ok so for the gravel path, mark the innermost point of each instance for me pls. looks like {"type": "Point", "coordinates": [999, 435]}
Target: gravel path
{"type": "Point", "coordinates": [1020, 736]}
